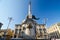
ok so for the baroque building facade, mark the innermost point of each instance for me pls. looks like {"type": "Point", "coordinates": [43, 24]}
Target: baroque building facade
{"type": "Point", "coordinates": [29, 28]}
{"type": "Point", "coordinates": [54, 31]}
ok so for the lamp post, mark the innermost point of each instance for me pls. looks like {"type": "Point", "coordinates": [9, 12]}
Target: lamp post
{"type": "Point", "coordinates": [45, 20]}
{"type": "Point", "coordinates": [6, 35]}
{"type": "Point", "coordinates": [10, 19]}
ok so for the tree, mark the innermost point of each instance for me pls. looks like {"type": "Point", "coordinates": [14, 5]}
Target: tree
{"type": "Point", "coordinates": [10, 33]}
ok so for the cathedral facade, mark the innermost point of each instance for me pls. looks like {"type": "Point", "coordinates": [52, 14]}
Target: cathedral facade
{"type": "Point", "coordinates": [29, 28]}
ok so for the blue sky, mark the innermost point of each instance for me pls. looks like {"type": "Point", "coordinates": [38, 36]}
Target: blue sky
{"type": "Point", "coordinates": [17, 9]}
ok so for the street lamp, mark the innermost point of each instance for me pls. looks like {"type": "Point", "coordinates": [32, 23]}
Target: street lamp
{"type": "Point", "coordinates": [10, 19]}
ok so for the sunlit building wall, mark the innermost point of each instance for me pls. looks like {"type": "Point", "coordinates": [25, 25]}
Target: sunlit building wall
{"type": "Point", "coordinates": [54, 31]}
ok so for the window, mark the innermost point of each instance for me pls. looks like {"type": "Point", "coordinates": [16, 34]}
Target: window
{"type": "Point", "coordinates": [19, 31]}
{"type": "Point", "coordinates": [24, 28]}
{"type": "Point", "coordinates": [44, 30]}
{"type": "Point", "coordinates": [40, 31]}
{"type": "Point", "coordinates": [14, 36]}
{"type": "Point", "coordinates": [16, 31]}
{"type": "Point", "coordinates": [45, 36]}
{"type": "Point", "coordinates": [38, 36]}
{"type": "Point", "coordinates": [41, 36]}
